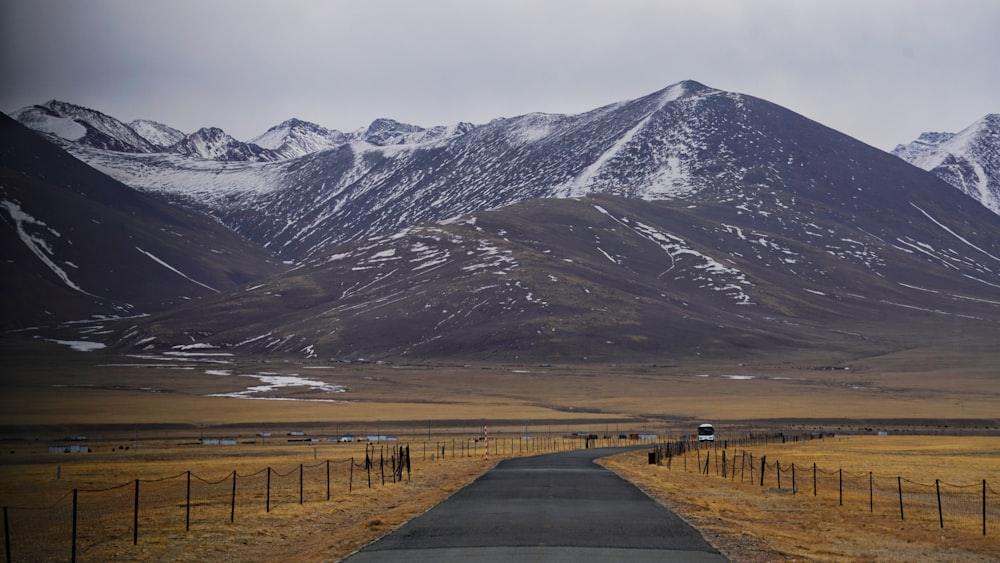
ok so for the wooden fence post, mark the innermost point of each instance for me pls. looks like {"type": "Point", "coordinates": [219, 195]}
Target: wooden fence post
{"type": "Point", "coordinates": [937, 488]}
{"type": "Point", "coordinates": [187, 505]}
{"type": "Point", "coordinates": [232, 501]}
{"type": "Point", "coordinates": [267, 502]}
{"type": "Point", "coordinates": [6, 535]}
{"type": "Point", "coordinates": [871, 492]}
{"type": "Point", "coordinates": [840, 473]}
{"type": "Point", "coordinates": [899, 483]}
{"type": "Point", "coordinates": [135, 516]}
{"type": "Point", "coordinates": [72, 556]}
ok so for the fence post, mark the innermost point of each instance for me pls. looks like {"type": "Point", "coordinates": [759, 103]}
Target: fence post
{"type": "Point", "coordinates": [793, 479]}
{"type": "Point", "coordinates": [135, 516]}
{"type": "Point", "coordinates": [937, 488]}
{"type": "Point", "coordinates": [899, 482]}
{"type": "Point", "coordinates": [840, 472]}
{"type": "Point", "coordinates": [232, 501]}
{"type": "Point", "coordinates": [72, 556]}
{"type": "Point", "coordinates": [871, 492]}
{"type": "Point", "coordinates": [763, 464]}
{"type": "Point", "coordinates": [300, 483]}
{"type": "Point", "coordinates": [267, 502]}
{"type": "Point", "coordinates": [814, 479]}
{"type": "Point", "coordinates": [723, 464]}
{"type": "Point", "coordinates": [777, 469]}
{"type": "Point", "coordinates": [984, 507]}
{"type": "Point", "coordinates": [327, 479]}
{"type": "Point", "coordinates": [6, 535]}
{"type": "Point", "coordinates": [350, 478]}
{"type": "Point", "coordinates": [187, 505]}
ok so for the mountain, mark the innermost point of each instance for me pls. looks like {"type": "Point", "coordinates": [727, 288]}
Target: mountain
{"type": "Point", "coordinates": [83, 126]}
{"type": "Point", "coordinates": [159, 135]}
{"type": "Point", "coordinates": [294, 138]}
{"type": "Point", "coordinates": [689, 221]}
{"type": "Point", "coordinates": [685, 141]}
{"type": "Point", "coordinates": [212, 143]}
{"type": "Point", "coordinates": [968, 160]}
{"type": "Point", "coordinates": [79, 245]}
{"type": "Point", "coordinates": [685, 222]}
{"type": "Point", "coordinates": [604, 278]}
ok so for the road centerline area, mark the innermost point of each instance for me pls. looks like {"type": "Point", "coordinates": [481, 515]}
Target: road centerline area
{"type": "Point", "coordinates": [555, 507]}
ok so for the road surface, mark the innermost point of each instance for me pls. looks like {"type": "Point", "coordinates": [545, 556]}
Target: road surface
{"type": "Point", "coordinates": [556, 507]}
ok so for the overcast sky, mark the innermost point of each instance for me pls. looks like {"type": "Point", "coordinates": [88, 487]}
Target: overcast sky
{"type": "Point", "coordinates": [882, 71]}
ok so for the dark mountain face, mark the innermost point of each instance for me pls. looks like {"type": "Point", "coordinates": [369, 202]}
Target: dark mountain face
{"type": "Point", "coordinates": [77, 244]}
{"type": "Point", "coordinates": [690, 221]}
{"type": "Point", "coordinates": [611, 279]}
{"type": "Point", "coordinates": [686, 142]}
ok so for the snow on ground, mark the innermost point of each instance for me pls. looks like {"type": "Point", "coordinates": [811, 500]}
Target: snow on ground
{"type": "Point", "coordinates": [38, 245]}
{"type": "Point", "coordinates": [175, 270]}
{"type": "Point", "coordinates": [271, 383]}
{"type": "Point", "coordinates": [79, 345]}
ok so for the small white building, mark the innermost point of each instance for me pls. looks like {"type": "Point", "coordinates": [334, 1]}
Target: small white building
{"type": "Point", "coordinates": [72, 449]}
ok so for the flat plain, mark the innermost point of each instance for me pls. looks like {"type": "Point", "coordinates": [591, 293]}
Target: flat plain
{"type": "Point", "coordinates": [160, 407]}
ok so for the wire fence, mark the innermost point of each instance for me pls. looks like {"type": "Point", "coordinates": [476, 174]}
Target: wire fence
{"type": "Point", "coordinates": [972, 507]}
{"type": "Point", "coordinates": [85, 519]}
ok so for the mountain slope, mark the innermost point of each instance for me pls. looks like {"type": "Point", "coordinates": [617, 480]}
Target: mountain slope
{"type": "Point", "coordinates": [294, 138]}
{"type": "Point", "coordinates": [159, 135]}
{"type": "Point", "coordinates": [609, 279]}
{"type": "Point", "coordinates": [78, 244]}
{"type": "Point", "coordinates": [686, 141]}
{"type": "Point", "coordinates": [968, 160]}
{"type": "Point", "coordinates": [83, 126]}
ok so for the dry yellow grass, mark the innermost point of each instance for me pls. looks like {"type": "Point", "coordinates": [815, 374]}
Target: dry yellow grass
{"type": "Point", "coordinates": [119, 402]}
{"type": "Point", "coordinates": [752, 525]}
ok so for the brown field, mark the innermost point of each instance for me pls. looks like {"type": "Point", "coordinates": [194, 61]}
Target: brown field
{"type": "Point", "coordinates": [754, 523]}
{"type": "Point", "coordinates": [159, 409]}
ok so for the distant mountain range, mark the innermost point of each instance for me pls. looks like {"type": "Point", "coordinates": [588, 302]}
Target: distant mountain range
{"type": "Point", "coordinates": [293, 138]}
{"type": "Point", "coordinates": [690, 221]}
{"type": "Point", "coordinates": [80, 245]}
{"type": "Point", "coordinates": [968, 160]}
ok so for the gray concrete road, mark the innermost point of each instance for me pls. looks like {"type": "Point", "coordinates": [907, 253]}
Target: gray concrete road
{"type": "Point", "coordinates": [556, 507]}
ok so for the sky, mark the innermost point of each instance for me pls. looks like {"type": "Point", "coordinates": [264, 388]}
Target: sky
{"type": "Point", "coordinates": [882, 71]}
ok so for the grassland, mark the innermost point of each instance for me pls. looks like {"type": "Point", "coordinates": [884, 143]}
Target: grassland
{"type": "Point", "coordinates": [165, 405]}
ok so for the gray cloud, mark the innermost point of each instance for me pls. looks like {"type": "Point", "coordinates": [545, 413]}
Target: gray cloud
{"type": "Point", "coordinates": [880, 70]}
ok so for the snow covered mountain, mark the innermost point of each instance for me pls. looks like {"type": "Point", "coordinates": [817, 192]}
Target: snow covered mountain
{"type": "Point", "coordinates": [690, 220]}
{"type": "Point", "coordinates": [968, 160]}
{"type": "Point", "coordinates": [294, 138]}
{"type": "Point", "coordinates": [212, 143]}
{"type": "Point", "coordinates": [685, 141]}
{"type": "Point", "coordinates": [78, 245]}
{"type": "Point", "coordinates": [83, 126]}
{"type": "Point", "coordinates": [159, 135]}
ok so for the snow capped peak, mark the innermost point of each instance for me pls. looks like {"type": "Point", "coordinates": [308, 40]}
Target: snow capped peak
{"type": "Point", "coordinates": [84, 126]}
{"type": "Point", "coordinates": [295, 137]}
{"type": "Point", "coordinates": [156, 133]}
{"type": "Point", "coordinates": [968, 160]}
{"type": "Point", "coordinates": [212, 143]}
{"type": "Point", "coordinates": [925, 143]}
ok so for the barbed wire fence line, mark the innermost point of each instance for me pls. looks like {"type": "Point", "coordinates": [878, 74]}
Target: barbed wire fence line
{"type": "Point", "coordinates": [970, 507]}
{"type": "Point", "coordinates": [84, 520]}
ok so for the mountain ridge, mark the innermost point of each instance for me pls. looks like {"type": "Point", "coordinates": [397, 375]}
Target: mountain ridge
{"type": "Point", "coordinates": [968, 160]}
{"type": "Point", "coordinates": [687, 221]}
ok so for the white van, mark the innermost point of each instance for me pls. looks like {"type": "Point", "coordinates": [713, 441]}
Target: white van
{"type": "Point", "coordinates": [706, 433]}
